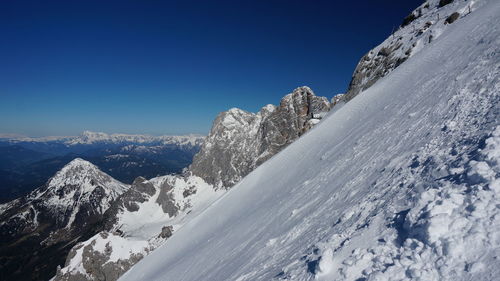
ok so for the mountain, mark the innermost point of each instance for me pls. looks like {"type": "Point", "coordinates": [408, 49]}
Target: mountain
{"type": "Point", "coordinates": [142, 219]}
{"type": "Point", "coordinates": [89, 137]}
{"type": "Point", "coordinates": [29, 162]}
{"type": "Point", "coordinates": [151, 211]}
{"type": "Point", "coordinates": [400, 183]}
{"type": "Point", "coordinates": [239, 141]}
{"type": "Point", "coordinates": [418, 30]}
{"type": "Point", "coordinates": [143, 216]}
{"type": "Point", "coordinates": [39, 229]}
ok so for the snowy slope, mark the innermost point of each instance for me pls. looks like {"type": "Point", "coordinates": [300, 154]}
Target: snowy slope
{"type": "Point", "coordinates": [134, 233]}
{"type": "Point", "coordinates": [145, 216]}
{"type": "Point", "coordinates": [399, 183]}
{"type": "Point", "coordinates": [419, 29]}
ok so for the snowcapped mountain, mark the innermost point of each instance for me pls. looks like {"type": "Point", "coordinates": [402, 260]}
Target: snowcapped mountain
{"type": "Point", "coordinates": [54, 217]}
{"type": "Point", "coordinates": [239, 141]}
{"type": "Point", "coordinates": [88, 137]}
{"type": "Point", "coordinates": [400, 183]}
{"type": "Point", "coordinates": [145, 216]}
{"type": "Point", "coordinates": [26, 163]}
{"type": "Point", "coordinates": [125, 224]}
{"type": "Point", "coordinates": [141, 220]}
{"type": "Point", "coordinates": [78, 185]}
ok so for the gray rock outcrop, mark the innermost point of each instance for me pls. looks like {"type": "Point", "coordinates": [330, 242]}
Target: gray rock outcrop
{"type": "Point", "coordinates": [239, 141]}
{"type": "Point", "coordinates": [420, 28]}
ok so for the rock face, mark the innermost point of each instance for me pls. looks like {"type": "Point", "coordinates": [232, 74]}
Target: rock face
{"type": "Point", "coordinates": [38, 230]}
{"type": "Point", "coordinates": [239, 141]}
{"type": "Point", "coordinates": [144, 216]}
{"type": "Point", "coordinates": [99, 262]}
{"type": "Point", "coordinates": [129, 234]}
{"type": "Point", "coordinates": [419, 29]}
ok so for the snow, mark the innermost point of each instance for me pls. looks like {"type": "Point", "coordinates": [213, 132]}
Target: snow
{"type": "Point", "coordinates": [139, 230]}
{"type": "Point", "coordinates": [75, 185]}
{"type": "Point", "coordinates": [121, 248]}
{"type": "Point", "coordinates": [88, 137]}
{"type": "Point", "coordinates": [147, 222]}
{"type": "Point", "coordinates": [76, 265]}
{"type": "Point", "coordinates": [113, 246]}
{"type": "Point", "coordinates": [400, 183]}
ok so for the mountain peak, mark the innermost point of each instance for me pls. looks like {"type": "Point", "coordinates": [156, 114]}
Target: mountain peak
{"type": "Point", "coordinates": [239, 140]}
{"type": "Point", "coordinates": [79, 162]}
{"type": "Point", "coordinates": [83, 174]}
{"type": "Point", "coordinates": [303, 89]}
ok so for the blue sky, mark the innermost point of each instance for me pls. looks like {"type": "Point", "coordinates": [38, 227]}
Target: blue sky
{"type": "Point", "coordinates": [168, 67]}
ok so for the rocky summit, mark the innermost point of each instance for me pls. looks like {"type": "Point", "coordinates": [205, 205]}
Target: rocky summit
{"type": "Point", "coordinates": [239, 141]}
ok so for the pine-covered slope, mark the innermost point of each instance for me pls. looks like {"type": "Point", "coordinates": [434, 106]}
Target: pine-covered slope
{"type": "Point", "coordinates": [415, 196]}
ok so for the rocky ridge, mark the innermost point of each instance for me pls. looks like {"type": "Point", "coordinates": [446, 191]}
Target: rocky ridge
{"type": "Point", "coordinates": [54, 217]}
{"type": "Point", "coordinates": [145, 216]}
{"type": "Point", "coordinates": [142, 219]}
{"type": "Point", "coordinates": [419, 29]}
{"type": "Point", "coordinates": [239, 141]}
{"type": "Point", "coordinates": [89, 137]}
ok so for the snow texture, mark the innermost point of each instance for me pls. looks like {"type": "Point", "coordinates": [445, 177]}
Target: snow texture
{"type": "Point", "coordinates": [400, 183]}
{"type": "Point", "coordinates": [137, 233]}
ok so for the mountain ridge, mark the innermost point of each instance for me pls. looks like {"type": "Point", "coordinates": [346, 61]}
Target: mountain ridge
{"type": "Point", "coordinates": [53, 217]}
{"type": "Point", "coordinates": [388, 187]}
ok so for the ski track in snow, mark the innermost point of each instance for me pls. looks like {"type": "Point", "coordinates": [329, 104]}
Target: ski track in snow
{"type": "Point", "coordinates": [401, 183]}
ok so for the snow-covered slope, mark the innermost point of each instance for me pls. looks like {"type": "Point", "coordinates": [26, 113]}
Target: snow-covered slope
{"type": "Point", "coordinates": [151, 211]}
{"type": "Point", "coordinates": [400, 183]}
{"type": "Point", "coordinates": [419, 29]}
{"type": "Point", "coordinates": [51, 219]}
{"type": "Point", "coordinates": [142, 219]}
{"type": "Point", "coordinates": [79, 184]}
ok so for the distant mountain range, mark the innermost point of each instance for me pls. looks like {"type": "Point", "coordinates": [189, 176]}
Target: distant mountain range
{"type": "Point", "coordinates": [83, 207]}
{"type": "Point", "coordinates": [26, 163]}
{"type": "Point", "coordinates": [398, 179]}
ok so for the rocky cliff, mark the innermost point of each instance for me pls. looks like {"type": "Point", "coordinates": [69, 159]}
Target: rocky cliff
{"type": "Point", "coordinates": [239, 141]}
{"type": "Point", "coordinates": [148, 213]}
{"type": "Point", "coordinates": [419, 29]}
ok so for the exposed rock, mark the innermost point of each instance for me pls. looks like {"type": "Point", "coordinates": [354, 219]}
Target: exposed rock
{"type": "Point", "coordinates": [140, 190]}
{"type": "Point", "coordinates": [102, 258]}
{"type": "Point", "coordinates": [98, 264]}
{"type": "Point", "coordinates": [337, 101]}
{"type": "Point", "coordinates": [239, 141]}
{"type": "Point", "coordinates": [167, 201]}
{"type": "Point", "coordinates": [453, 17]}
{"type": "Point", "coordinates": [53, 218]}
{"type": "Point", "coordinates": [443, 3]}
{"type": "Point", "coordinates": [166, 231]}
{"type": "Point", "coordinates": [411, 17]}
{"type": "Point", "coordinates": [417, 30]}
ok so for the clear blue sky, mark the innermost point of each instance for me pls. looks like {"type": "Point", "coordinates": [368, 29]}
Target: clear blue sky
{"type": "Point", "coordinates": [168, 67]}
